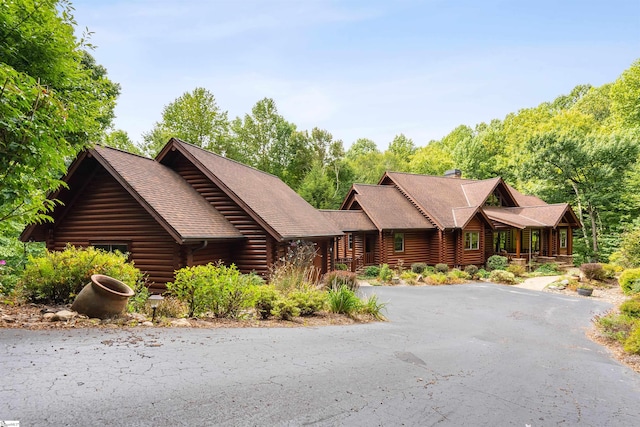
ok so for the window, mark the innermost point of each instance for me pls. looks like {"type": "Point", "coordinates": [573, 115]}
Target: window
{"type": "Point", "coordinates": [472, 240]}
{"type": "Point", "coordinates": [112, 247]}
{"type": "Point", "coordinates": [398, 242]}
{"type": "Point", "coordinates": [350, 241]}
{"type": "Point", "coordinates": [563, 238]}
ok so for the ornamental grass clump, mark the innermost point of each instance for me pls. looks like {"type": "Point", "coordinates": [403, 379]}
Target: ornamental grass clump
{"type": "Point", "coordinates": [58, 276]}
{"type": "Point", "coordinates": [373, 307]}
{"type": "Point", "coordinates": [343, 301]}
{"type": "Point", "coordinates": [336, 279]}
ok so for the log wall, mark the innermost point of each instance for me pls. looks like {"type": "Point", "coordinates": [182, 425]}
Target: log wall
{"type": "Point", "coordinates": [104, 212]}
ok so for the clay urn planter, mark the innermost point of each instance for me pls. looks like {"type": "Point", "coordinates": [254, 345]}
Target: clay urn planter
{"type": "Point", "coordinates": [103, 298]}
{"type": "Point", "coordinates": [584, 291]}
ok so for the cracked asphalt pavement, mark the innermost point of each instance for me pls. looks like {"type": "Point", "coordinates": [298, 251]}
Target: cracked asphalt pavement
{"type": "Point", "coordinates": [477, 354]}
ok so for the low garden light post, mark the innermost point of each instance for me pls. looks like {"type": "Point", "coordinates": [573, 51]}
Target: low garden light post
{"type": "Point", "coordinates": [154, 300]}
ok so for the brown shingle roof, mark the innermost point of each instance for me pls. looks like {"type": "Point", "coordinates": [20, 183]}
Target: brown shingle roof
{"type": "Point", "coordinates": [269, 200]}
{"type": "Point", "coordinates": [525, 199]}
{"type": "Point", "coordinates": [439, 195]}
{"type": "Point", "coordinates": [351, 220]}
{"type": "Point", "coordinates": [388, 209]}
{"type": "Point", "coordinates": [167, 196]}
{"type": "Point", "coordinates": [528, 216]}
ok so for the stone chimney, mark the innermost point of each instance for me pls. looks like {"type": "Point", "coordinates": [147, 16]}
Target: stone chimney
{"type": "Point", "coordinates": [453, 173]}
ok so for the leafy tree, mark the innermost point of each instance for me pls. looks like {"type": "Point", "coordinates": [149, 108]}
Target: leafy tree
{"type": "Point", "coordinates": [195, 118]}
{"type": "Point", "coordinates": [317, 188]}
{"type": "Point", "coordinates": [266, 141]}
{"type": "Point", "coordinates": [362, 146]}
{"type": "Point", "coordinates": [625, 96]}
{"type": "Point", "coordinates": [402, 147]}
{"type": "Point", "coordinates": [120, 139]}
{"type": "Point", "coordinates": [432, 159]}
{"type": "Point", "coordinates": [593, 166]}
{"type": "Point", "coordinates": [54, 100]}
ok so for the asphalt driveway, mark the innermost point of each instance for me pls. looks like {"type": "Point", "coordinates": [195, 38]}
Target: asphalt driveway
{"type": "Point", "coordinates": [477, 354]}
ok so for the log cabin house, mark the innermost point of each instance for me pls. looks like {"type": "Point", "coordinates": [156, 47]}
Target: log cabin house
{"type": "Point", "coordinates": [186, 207]}
{"type": "Point", "coordinates": [409, 218]}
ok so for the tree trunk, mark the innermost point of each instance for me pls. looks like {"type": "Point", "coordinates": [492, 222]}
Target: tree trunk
{"type": "Point", "coordinates": [594, 231]}
{"type": "Point", "coordinates": [580, 216]}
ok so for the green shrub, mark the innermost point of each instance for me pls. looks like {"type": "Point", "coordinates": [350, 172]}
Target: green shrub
{"type": "Point", "coordinates": [285, 309]}
{"type": "Point", "coordinates": [628, 254]}
{"type": "Point", "coordinates": [429, 270]}
{"type": "Point", "coordinates": [458, 274]}
{"type": "Point", "coordinates": [631, 307]}
{"type": "Point", "coordinates": [548, 269]}
{"type": "Point", "coordinates": [471, 270]}
{"type": "Point", "coordinates": [409, 277]}
{"type": "Point", "coordinates": [441, 268]}
{"type": "Point", "coordinates": [373, 307]}
{"type": "Point", "coordinates": [386, 274]}
{"type": "Point", "coordinates": [57, 277]}
{"type": "Point", "coordinates": [309, 301]}
{"type": "Point", "coordinates": [138, 302]}
{"type": "Point", "coordinates": [418, 267]}
{"type": "Point", "coordinates": [483, 274]}
{"type": "Point", "coordinates": [616, 326]}
{"type": "Point", "coordinates": [437, 279]}
{"type": "Point", "coordinates": [632, 343]}
{"type": "Point", "coordinates": [497, 262]}
{"type": "Point", "coordinates": [592, 271]}
{"type": "Point", "coordinates": [215, 288]}
{"type": "Point", "coordinates": [611, 270]}
{"type": "Point", "coordinates": [343, 301]}
{"type": "Point", "coordinates": [341, 267]}
{"type": "Point", "coordinates": [630, 281]}
{"type": "Point", "coordinates": [372, 271]}
{"type": "Point", "coordinates": [265, 298]}
{"type": "Point", "coordinates": [501, 276]}
{"type": "Point", "coordinates": [517, 270]}
{"type": "Point", "coordinates": [335, 279]}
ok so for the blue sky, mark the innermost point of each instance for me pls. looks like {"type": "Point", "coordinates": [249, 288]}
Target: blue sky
{"type": "Point", "coordinates": [359, 69]}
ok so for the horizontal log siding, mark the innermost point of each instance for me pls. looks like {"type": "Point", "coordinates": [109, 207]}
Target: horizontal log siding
{"type": "Point", "coordinates": [415, 248]}
{"type": "Point", "coordinates": [214, 252]}
{"type": "Point", "coordinates": [448, 248]}
{"type": "Point", "coordinates": [251, 254]}
{"type": "Point", "coordinates": [475, 257]}
{"type": "Point", "coordinates": [106, 212]}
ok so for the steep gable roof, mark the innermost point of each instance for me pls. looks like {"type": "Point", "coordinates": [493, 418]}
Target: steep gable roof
{"type": "Point", "coordinates": [271, 202]}
{"type": "Point", "coordinates": [350, 220]}
{"type": "Point", "coordinates": [159, 190]}
{"type": "Point", "coordinates": [449, 202]}
{"type": "Point", "coordinates": [387, 208]}
{"type": "Point", "coordinates": [166, 196]}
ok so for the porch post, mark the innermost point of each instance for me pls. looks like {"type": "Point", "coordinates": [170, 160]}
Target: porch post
{"type": "Point", "coordinates": [518, 244]}
{"type": "Point", "coordinates": [550, 243]}
{"type": "Point", "coordinates": [569, 241]}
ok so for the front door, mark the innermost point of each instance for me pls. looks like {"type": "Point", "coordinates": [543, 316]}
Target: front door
{"type": "Point", "coordinates": [369, 250]}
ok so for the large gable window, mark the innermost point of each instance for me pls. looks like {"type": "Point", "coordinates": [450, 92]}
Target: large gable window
{"type": "Point", "coordinates": [398, 242]}
{"type": "Point", "coordinates": [471, 240]}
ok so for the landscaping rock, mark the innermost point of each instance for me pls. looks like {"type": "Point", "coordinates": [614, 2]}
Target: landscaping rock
{"type": "Point", "coordinates": [8, 319]}
{"type": "Point", "coordinates": [48, 316]}
{"type": "Point", "coordinates": [63, 316]}
{"type": "Point", "coordinates": [137, 317]}
{"type": "Point", "coordinates": [181, 323]}
{"type": "Point", "coordinates": [147, 323]}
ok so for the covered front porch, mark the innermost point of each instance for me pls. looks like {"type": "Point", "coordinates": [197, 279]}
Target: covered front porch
{"type": "Point", "coordinates": [532, 245]}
